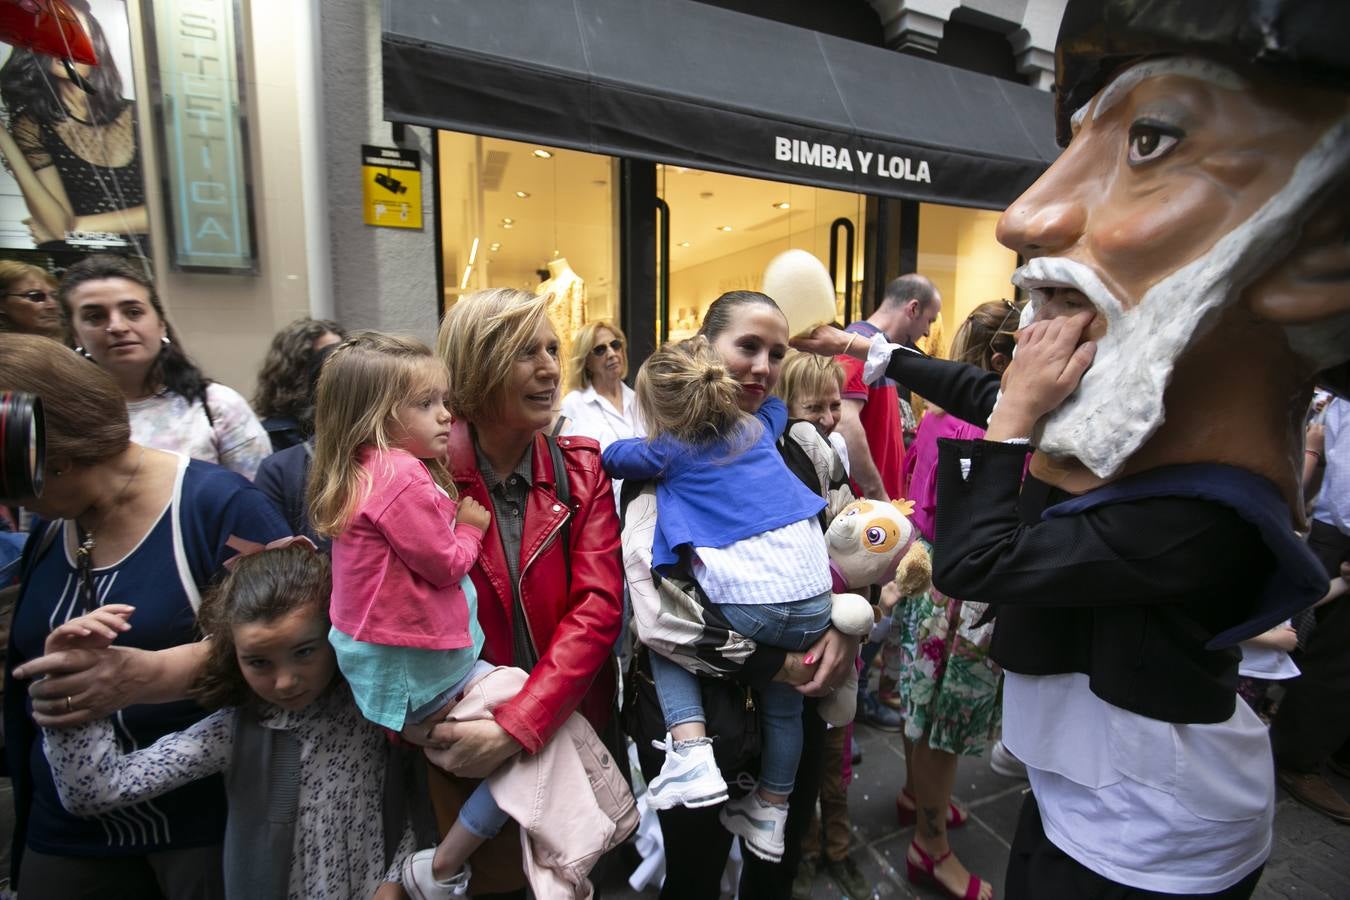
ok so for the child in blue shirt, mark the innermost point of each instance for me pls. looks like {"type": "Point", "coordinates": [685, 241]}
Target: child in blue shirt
{"type": "Point", "coordinates": [726, 498]}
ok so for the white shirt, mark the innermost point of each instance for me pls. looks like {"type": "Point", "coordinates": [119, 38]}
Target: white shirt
{"type": "Point", "coordinates": [1178, 809]}
{"type": "Point", "coordinates": [777, 566]}
{"type": "Point", "coordinates": [593, 416]}
{"type": "Point", "coordinates": [1333, 501]}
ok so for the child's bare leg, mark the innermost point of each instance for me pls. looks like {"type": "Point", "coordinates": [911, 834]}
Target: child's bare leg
{"type": "Point", "coordinates": [454, 851]}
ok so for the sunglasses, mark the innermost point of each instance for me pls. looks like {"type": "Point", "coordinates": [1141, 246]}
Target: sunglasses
{"type": "Point", "coordinates": [616, 345]}
{"type": "Point", "coordinates": [34, 296]}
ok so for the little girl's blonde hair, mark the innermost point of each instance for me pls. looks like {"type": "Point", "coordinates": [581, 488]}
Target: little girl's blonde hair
{"type": "Point", "coordinates": [362, 385]}
{"type": "Point", "coordinates": [686, 392]}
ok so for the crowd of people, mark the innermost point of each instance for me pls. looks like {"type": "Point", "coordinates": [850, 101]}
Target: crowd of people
{"type": "Point", "coordinates": [398, 627]}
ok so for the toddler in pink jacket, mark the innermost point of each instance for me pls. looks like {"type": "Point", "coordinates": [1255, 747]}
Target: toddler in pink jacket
{"type": "Point", "coordinates": [404, 612]}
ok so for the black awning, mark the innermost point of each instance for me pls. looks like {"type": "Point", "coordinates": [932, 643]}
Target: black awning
{"type": "Point", "coordinates": [691, 84]}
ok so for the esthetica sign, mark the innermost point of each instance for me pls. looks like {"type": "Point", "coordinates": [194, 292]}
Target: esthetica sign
{"type": "Point", "coordinates": [202, 134]}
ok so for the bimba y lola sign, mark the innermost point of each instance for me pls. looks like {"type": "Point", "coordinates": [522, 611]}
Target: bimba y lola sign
{"type": "Point", "coordinates": [844, 159]}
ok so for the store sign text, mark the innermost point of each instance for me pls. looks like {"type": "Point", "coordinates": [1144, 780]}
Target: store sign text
{"type": "Point", "coordinates": [205, 148]}
{"type": "Point", "coordinates": [828, 156]}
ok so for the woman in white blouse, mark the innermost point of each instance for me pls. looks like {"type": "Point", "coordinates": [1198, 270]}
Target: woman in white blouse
{"type": "Point", "coordinates": [598, 404]}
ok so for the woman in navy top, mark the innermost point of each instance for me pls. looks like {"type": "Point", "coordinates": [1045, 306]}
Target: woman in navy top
{"type": "Point", "coordinates": [122, 524]}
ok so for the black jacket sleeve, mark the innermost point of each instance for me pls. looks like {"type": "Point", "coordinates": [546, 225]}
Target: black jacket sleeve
{"type": "Point", "coordinates": [967, 392]}
{"type": "Point", "coordinates": [1143, 551]}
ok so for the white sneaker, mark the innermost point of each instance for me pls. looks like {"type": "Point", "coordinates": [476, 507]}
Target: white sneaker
{"type": "Point", "coordinates": [759, 825]}
{"type": "Point", "coordinates": [689, 777]}
{"type": "Point", "coordinates": [421, 884]}
{"type": "Point", "coordinates": [1004, 763]}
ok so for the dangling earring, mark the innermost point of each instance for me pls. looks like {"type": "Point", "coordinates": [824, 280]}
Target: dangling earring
{"type": "Point", "coordinates": [165, 340]}
{"type": "Point", "coordinates": [83, 352]}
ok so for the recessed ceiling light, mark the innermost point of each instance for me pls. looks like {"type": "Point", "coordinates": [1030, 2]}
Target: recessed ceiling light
{"type": "Point", "coordinates": [543, 154]}
{"type": "Point", "coordinates": [507, 225]}
{"type": "Point", "coordinates": [783, 205]}
{"type": "Point", "coordinates": [684, 243]}
{"type": "Point", "coordinates": [723, 227]}
{"type": "Point", "coordinates": [507, 220]}
{"type": "Point", "coordinates": [495, 246]}
{"type": "Point", "coordinates": [522, 194]}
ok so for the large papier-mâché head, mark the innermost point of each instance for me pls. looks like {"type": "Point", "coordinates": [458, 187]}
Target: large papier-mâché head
{"type": "Point", "coordinates": [1201, 210]}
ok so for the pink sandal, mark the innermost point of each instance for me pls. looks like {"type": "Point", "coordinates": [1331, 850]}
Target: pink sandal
{"type": "Point", "coordinates": [923, 870]}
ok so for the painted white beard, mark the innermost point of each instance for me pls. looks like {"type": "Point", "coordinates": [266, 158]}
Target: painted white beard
{"type": "Point", "coordinates": [1119, 403]}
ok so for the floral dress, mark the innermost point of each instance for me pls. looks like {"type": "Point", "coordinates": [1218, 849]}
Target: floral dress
{"type": "Point", "coordinates": [339, 833]}
{"type": "Point", "coordinates": [948, 685]}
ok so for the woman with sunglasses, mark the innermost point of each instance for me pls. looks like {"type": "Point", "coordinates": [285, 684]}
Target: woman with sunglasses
{"type": "Point", "coordinates": [598, 404]}
{"type": "Point", "coordinates": [29, 304]}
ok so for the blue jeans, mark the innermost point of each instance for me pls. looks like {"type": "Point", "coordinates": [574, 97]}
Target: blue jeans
{"type": "Point", "coordinates": [790, 626]}
{"type": "Point", "coordinates": [480, 813]}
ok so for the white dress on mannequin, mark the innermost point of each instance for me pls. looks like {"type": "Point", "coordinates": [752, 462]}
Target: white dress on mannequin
{"type": "Point", "coordinates": [567, 309]}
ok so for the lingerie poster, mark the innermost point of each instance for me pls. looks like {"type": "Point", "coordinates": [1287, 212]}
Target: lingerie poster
{"type": "Point", "coordinates": [71, 181]}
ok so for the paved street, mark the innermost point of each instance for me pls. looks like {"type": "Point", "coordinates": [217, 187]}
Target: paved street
{"type": "Point", "coordinates": [1311, 860]}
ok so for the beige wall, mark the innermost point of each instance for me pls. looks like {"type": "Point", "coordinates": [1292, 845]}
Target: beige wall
{"type": "Point", "coordinates": [226, 321]}
{"type": "Point", "coordinates": [967, 264]}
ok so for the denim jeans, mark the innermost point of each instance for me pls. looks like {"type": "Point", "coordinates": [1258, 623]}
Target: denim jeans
{"type": "Point", "coordinates": [790, 626]}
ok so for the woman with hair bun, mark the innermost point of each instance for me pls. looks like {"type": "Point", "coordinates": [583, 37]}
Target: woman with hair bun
{"type": "Point", "coordinates": [766, 568]}
{"type": "Point", "coordinates": [118, 321]}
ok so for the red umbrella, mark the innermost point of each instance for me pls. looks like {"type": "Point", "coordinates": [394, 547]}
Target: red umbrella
{"type": "Point", "coordinates": [46, 26]}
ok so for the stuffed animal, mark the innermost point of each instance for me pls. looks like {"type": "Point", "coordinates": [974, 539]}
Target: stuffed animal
{"type": "Point", "coordinates": [867, 542]}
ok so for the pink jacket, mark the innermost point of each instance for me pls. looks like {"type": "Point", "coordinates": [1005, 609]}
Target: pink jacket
{"type": "Point", "coordinates": [569, 798]}
{"type": "Point", "coordinates": [397, 566]}
{"type": "Point", "coordinates": [921, 460]}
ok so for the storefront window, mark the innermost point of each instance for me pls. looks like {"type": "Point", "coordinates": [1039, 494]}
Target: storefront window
{"type": "Point", "coordinates": [959, 253]}
{"type": "Point", "coordinates": [725, 229]}
{"type": "Point", "coordinates": [532, 217]}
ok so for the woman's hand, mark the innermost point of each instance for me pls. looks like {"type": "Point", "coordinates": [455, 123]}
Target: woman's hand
{"type": "Point", "coordinates": [1048, 365]}
{"type": "Point", "coordinates": [72, 687]}
{"type": "Point", "coordinates": [826, 340]}
{"type": "Point", "coordinates": [470, 749]}
{"type": "Point", "coordinates": [95, 631]}
{"type": "Point", "coordinates": [823, 668]}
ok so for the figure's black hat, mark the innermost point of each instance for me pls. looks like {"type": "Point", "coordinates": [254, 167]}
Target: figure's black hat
{"type": "Point", "coordinates": [1305, 39]}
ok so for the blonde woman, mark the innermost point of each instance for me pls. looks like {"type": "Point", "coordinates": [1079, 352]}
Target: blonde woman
{"type": "Point", "coordinates": [598, 404]}
{"type": "Point", "coordinates": [548, 578]}
{"type": "Point", "coordinates": [811, 387]}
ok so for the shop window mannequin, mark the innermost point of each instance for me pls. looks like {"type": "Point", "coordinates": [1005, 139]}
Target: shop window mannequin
{"type": "Point", "coordinates": [567, 309]}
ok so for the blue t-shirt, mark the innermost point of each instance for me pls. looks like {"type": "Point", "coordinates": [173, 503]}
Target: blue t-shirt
{"type": "Point", "coordinates": [164, 578]}
{"type": "Point", "coordinates": [710, 496]}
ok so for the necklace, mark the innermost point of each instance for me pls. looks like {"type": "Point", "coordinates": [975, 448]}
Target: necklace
{"type": "Point", "coordinates": [85, 552]}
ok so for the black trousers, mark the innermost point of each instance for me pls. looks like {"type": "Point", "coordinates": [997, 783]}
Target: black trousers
{"type": "Point", "coordinates": [697, 845]}
{"type": "Point", "coordinates": [1038, 870]}
{"type": "Point", "coordinates": [1314, 717]}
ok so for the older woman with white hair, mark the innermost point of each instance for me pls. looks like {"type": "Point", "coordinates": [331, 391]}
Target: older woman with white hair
{"type": "Point", "coordinates": [598, 404]}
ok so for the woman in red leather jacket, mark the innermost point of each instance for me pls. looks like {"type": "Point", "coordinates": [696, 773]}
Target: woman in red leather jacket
{"type": "Point", "coordinates": [549, 580]}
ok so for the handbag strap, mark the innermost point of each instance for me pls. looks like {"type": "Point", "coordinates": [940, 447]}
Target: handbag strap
{"type": "Point", "coordinates": [563, 490]}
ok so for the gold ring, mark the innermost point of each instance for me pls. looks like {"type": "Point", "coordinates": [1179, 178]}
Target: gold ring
{"type": "Point", "coordinates": [69, 706]}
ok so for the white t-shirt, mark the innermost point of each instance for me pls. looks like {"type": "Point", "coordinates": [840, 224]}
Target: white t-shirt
{"type": "Point", "coordinates": [1179, 809]}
